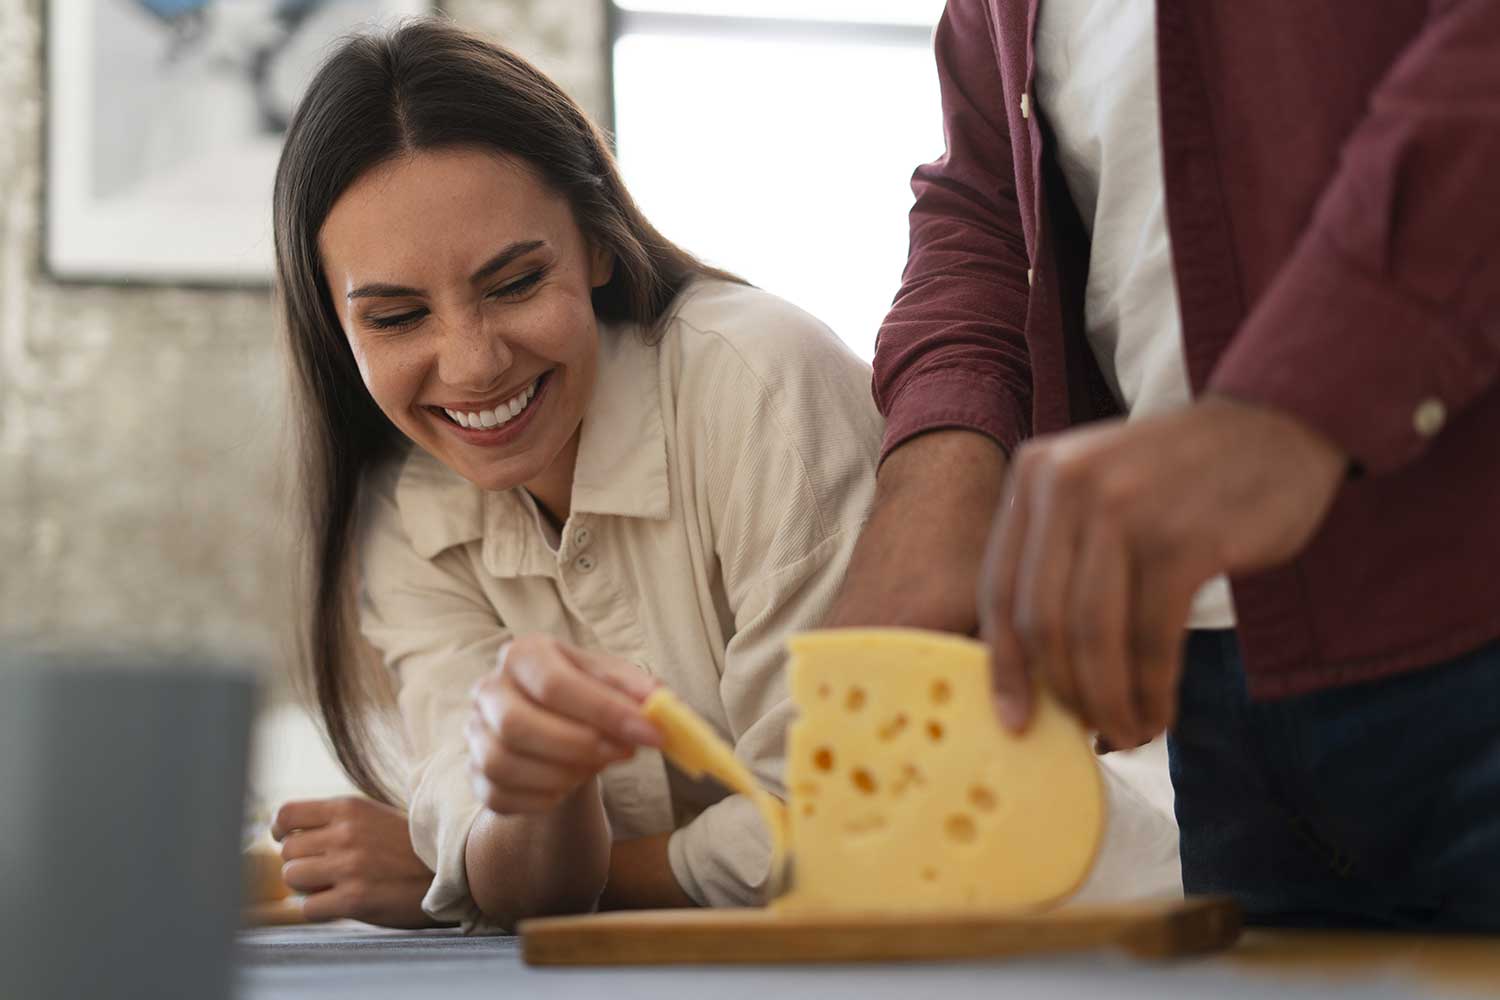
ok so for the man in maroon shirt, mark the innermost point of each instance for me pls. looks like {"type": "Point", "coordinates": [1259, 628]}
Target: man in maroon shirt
{"type": "Point", "coordinates": [1330, 185]}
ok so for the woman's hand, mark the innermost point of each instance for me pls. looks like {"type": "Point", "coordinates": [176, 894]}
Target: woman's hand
{"type": "Point", "coordinates": [352, 858]}
{"type": "Point", "coordinates": [550, 717]}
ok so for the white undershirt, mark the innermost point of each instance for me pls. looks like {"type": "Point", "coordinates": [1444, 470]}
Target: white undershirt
{"type": "Point", "coordinates": [1096, 83]}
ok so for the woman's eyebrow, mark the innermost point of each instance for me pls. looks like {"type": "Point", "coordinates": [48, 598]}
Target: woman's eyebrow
{"type": "Point", "coordinates": [504, 257]}
{"type": "Point", "coordinates": [385, 290]}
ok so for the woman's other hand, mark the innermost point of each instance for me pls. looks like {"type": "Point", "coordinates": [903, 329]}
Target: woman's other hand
{"type": "Point", "coordinates": [352, 858]}
{"type": "Point", "coordinates": [550, 717]}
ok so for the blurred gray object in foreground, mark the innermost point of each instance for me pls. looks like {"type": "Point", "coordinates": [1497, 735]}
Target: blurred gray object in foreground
{"type": "Point", "coordinates": [122, 783]}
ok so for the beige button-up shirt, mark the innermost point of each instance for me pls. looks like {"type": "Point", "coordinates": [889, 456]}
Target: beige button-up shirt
{"type": "Point", "coordinates": [723, 476]}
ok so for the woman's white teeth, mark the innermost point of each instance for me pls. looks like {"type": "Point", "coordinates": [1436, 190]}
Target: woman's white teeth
{"type": "Point", "coordinates": [499, 415]}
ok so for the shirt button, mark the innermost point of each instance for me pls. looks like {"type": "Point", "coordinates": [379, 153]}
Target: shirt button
{"type": "Point", "coordinates": [582, 537]}
{"type": "Point", "coordinates": [585, 563]}
{"type": "Point", "coordinates": [1025, 105]}
{"type": "Point", "coordinates": [1430, 417]}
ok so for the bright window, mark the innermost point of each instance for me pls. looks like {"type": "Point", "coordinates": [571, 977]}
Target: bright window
{"type": "Point", "coordinates": [777, 138]}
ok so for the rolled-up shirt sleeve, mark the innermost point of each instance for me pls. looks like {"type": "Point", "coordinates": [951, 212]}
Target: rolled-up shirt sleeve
{"type": "Point", "coordinates": [438, 634]}
{"type": "Point", "coordinates": [952, 351]}
{"type": "Point", "coordinates": [1385, 321]}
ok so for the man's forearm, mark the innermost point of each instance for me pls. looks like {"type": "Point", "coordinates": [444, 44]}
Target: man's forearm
{"type": "Point", "coordinates": [918, 559]}
{"type": "Point", "coordinates": [528, 866]}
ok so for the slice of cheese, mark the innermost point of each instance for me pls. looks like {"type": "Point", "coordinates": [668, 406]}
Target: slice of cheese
{"type": "Point", "coordinates": [905, 793]}
{"type": "Point", "coordinates": [691, 743]}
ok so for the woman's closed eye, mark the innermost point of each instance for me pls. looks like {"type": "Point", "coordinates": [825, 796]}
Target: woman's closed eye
{"type": "Point", "coordinates": [519, 287]}
{"type": "Point", "coordinates": [511, 290]}
{"type": "Point", "coordinates": [397, 321]}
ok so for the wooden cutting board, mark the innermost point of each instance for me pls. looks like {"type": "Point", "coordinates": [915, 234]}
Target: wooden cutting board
{"type": "Point", "coordinates": [677, 937]}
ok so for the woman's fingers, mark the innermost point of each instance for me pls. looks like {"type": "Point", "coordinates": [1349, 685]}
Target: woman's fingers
{"type": "Point", "coordinates": [549, 718]}
{"type": "Point", "coordinates": [307, 814]}
{"type": "Point", "coordinates": [311, 843]}
{"type": "Point", "coordinates": [307, 875]}
{"type": "Point", "coordinates": [519, 724]}
{"type": "Point", "coordinates": [624, 677]}
{"type": "Point", "coordinates": [557, 679]}
{"type": "Point", "coordinates": [509, 800]}
{"type": "Point", "coordinates": [518, 769]}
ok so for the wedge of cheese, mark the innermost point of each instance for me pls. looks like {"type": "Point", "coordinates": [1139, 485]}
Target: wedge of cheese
{"type": "Point", "coordinates": [906, 794]}
{"type": "Point", "coordinates": [692, 745]}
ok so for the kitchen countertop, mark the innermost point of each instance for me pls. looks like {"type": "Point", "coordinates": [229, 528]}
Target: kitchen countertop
{"type": "Point", "coordinates": [352, 960]}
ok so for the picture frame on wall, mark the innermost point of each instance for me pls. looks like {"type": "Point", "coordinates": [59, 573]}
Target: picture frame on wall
{"type": "Point", "coordinates": [165, 119]}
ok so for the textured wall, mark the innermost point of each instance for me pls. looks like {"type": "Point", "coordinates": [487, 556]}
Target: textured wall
{"type": "Point", "coordinates": [142, 444]}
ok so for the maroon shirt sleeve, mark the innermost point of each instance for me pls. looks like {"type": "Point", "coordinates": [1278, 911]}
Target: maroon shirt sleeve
{"type": "Point", "coordinates": [1386, 318]}
{"type": "Point", "coordinates": [951, 352]}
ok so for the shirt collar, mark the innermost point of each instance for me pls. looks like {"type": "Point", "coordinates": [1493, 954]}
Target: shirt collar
{"type": "Point", "coordinates": [622, 451]}
{"type": "Point", "coordinates": [621, 468]}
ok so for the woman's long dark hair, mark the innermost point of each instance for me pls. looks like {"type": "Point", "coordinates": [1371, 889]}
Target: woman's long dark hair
{"type": "Point", "coordinates": [424, 85]}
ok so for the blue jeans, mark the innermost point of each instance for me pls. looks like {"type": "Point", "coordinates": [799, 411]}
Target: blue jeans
{"type": "Point", "coordinates": [1374, 805]}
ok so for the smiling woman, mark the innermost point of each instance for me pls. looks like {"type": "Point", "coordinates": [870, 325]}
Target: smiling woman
{"type": "Point", "coordinates": [561, 462]}
{"type": "Point", "coordinates": [460, 344]}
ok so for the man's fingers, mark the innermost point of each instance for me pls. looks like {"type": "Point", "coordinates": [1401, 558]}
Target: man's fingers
{"type": "Point", "coordinates": [1043, 573]}
{"type": "Point", "coordinates": [1161, 604]}
{"type": "Point", "coordinates": [1012, 686]}
{"type": "Point", "coordinates": [307, 814]}
{"type": "Point", "coordinates": [1099, 622]}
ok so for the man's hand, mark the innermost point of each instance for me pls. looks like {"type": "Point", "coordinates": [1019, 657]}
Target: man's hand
{"type": "Point", "coordinates": [352, 858]}
{"type": "Point", "coordinates": [917, 560]}
{"type": "Point", "coordinates": [1107, 532]}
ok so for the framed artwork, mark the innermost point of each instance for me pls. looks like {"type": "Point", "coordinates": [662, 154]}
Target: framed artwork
{"type": "Point", "coordinates": [164, 123]}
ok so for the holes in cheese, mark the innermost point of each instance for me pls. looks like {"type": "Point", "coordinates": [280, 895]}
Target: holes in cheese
{"type": "Point", "coordinates": [855, 700]}
{"type": "Point", "coordinates": [960, 829]}
{"type": "Point", "coordinates": [982, 798]}
{"type": "Point", "coordinates": [910, 775]}
{"type": "Point", "coordinates": [971, 816]}
{"type": "Point", "coordinates": [894, 728]}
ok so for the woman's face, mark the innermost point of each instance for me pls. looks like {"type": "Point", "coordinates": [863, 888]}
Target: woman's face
{"type": "Point", "coordinates": [463, 285]}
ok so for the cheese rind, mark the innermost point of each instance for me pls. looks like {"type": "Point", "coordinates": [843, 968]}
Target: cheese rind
{"type": "Point", "coordinates": [905, 793]}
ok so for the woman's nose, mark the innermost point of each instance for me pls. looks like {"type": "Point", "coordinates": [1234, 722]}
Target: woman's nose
{"type": "Point", "coordinates": [475, 356]}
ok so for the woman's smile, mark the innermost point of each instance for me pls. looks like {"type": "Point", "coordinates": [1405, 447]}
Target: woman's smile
{"type": "Point", "coordinates": [498, 424]}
